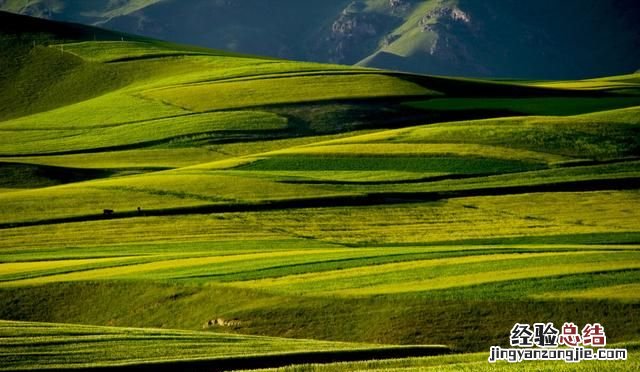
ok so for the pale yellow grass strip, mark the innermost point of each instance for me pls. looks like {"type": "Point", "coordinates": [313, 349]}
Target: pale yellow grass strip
{"type": "Point", "coordinates": [24, 267]}
{"type": "Point", "coordinates": [377, 149]}
{"type": "Point", "coordinates": [337, 275]}
{"type": "Point", "coordinates": [132, 270]}
{"type": "Point", "coordinates": [488, 277]}
{"type": "Point", "coordinates": [622, 292]}
{"type": "Point", "coordinates": [585, 84]}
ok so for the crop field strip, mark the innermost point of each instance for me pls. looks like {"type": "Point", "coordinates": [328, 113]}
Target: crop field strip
{"type": "Point", "coordinates": [455, 219]}
{"type": "Point", "coordinates": [333, 161]}
{"type": "Point", "coordinates": [324, 271]}
{"type": "Point", "coordinates": [168, 156]}
{"type": "Point", "coordinates": [62, 345]}
{"type": "Point", "coordinates": [475, 362]}
{"type": "Point", "coordinates": [284, 195]}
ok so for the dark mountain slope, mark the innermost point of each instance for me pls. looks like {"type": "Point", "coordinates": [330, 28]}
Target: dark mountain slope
{"type": "Point", "coordinates": [541, 39]}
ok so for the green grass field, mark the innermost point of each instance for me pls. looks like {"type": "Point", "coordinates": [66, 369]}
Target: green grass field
{"type": "Point", "coordinates": [467, 362]}
{"type": "Point", "coordinates": [56, 346]}
{"type": "Point", "coordinates": [324, 213]}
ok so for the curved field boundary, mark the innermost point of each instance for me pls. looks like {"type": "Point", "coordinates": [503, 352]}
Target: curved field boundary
{"type": "Point", "coordinates": [627, 183]}
{"type": "Point", "coordinates": [274, 361]}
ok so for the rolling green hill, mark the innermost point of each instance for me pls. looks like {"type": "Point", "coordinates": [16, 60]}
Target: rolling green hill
{"type": "Point", "coordinates": [263, 205]}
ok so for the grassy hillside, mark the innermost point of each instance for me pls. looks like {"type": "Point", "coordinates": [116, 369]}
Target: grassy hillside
{"type": "Point", "coordinates": [56, 346]}
{"type": "Point", "coordinates": [38, 74]}
{"type": "Point", "coordinates": [475, 362]}
{"type": "Point", "coordinates": [362, 208]}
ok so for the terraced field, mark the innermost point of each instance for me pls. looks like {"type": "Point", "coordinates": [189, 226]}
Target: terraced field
{"type": "Point", "coordinates": [259, 204]}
